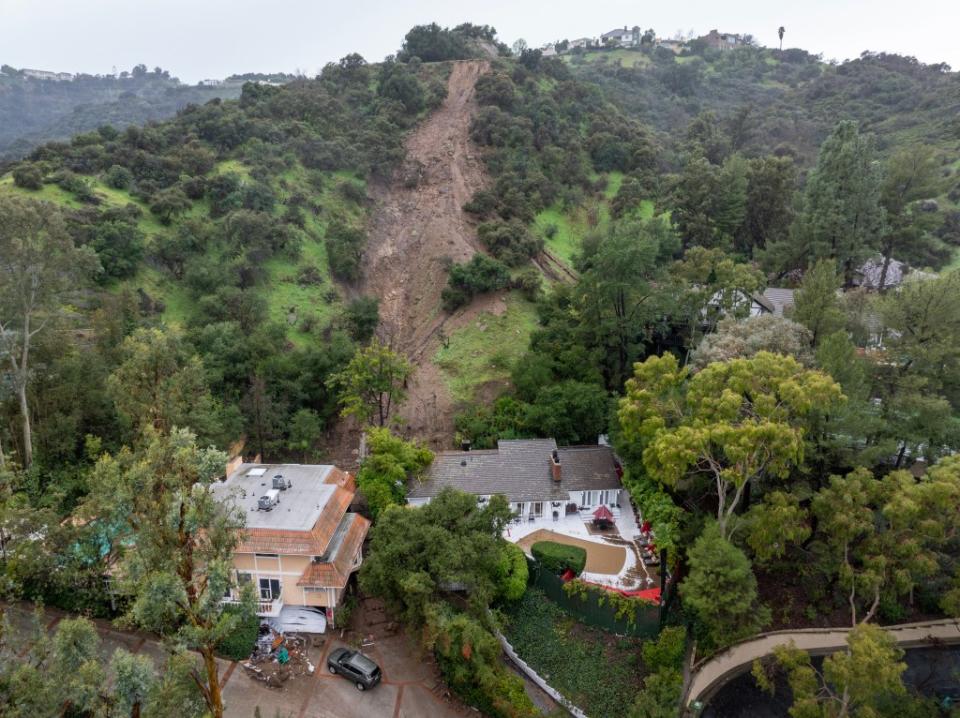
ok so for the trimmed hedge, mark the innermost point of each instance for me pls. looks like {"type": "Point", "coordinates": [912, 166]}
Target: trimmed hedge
{"type": "Point", "coordinates": [239, 644]}
{"type": "Point", "coordinates": [558, 557]}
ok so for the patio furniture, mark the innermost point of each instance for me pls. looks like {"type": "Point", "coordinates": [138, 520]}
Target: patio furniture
{"type": "Point", "coordinates": [602, 517]}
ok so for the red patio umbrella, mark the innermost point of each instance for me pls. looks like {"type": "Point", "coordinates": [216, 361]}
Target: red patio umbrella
{"type": "Point", "coordinates": [603, 514]}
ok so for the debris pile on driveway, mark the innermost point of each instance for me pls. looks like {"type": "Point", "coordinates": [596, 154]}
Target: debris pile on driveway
{"type": "Point", "coordinates": [278, 657]}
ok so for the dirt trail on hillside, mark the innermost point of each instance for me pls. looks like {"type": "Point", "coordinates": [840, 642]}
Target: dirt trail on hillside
{"type": "Point", "coordinates": [418, 227]}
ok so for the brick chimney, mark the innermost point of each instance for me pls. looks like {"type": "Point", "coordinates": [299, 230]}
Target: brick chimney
{"type": "Point", "coordinates": [555, 465]}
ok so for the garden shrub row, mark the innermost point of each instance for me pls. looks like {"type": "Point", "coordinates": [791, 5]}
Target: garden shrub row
{"type": "Point", "coordinates": [558, 557]}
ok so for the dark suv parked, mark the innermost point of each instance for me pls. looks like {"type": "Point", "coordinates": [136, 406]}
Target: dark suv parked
{"type": "Point", "coordinates": [355, 667]}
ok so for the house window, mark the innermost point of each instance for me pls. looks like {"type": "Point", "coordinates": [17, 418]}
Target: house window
{"type": "Point", "coordinates": [266, 555]}
{"type": "Point", "coordinates": [537, 508]}
{"type": "Point", "coordinates": [242, 580]}
{"type": "Point", "coordinates": [269, 589]}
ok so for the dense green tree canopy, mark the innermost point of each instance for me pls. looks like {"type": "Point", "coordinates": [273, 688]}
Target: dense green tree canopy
{"type": "Point", "coordinates": [728, 425]}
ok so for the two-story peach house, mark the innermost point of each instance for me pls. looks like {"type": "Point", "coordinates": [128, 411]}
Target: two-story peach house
{"type": "Point", "coordinates": [300, 542]}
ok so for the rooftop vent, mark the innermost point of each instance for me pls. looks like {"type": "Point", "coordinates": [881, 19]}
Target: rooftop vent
{"type": "Point", "coordinates": [465, 445]}
{"type": "Point", "coordinates": [281, 483]}
{"type": "Point", "coordinates": [269, 500]}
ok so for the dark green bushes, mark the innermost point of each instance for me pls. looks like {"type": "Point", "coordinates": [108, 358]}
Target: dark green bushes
{"type": "Point", "coordinates": [432, 43]}
{"type": "Point", "coordinates": [510, 241]}
{"type": "Point", "coordinates": [478, 276]}
{"type": "Point", "coordinates": [28, 176]}
{"type": "Point", "coordinates": [469, 658]}
{"type": "Point", "coordinates": [239, 644]}
{"type": "Point", "coordinates": [558, 557]}
{"type": "Point", "coordinates": [344, 249]}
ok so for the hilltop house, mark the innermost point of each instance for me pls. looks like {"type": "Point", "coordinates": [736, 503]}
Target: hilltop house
{"type": "Point", "coordinates": [47, 75]}
{"type": "Point", "coordinates": [622, 38]}
{"type": "Point", "coordinates": [581, 42]}
{"type": "Point", "coordinates": [674, 46]}
{"type": "Point", "coordinates": [722, 40]}
{"type": "Point", "coordinates": [300, 543]}
{"type": "Point", "coordinates": [542, 482]}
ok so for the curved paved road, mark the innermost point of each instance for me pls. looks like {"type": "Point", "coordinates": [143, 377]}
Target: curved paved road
{"type": "Point", "coordinates": [709, 676]}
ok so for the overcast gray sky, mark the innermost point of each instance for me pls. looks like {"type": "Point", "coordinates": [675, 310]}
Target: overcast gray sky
{"type": "Point", "coordinates": [197, 39]}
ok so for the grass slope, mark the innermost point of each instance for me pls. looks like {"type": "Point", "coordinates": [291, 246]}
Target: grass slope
{"type": "Point", "coordinates": [568, 227]}
{"type": "Point", "coordinates": [483, 352]}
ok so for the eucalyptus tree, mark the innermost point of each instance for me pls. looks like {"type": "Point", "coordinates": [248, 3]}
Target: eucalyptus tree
{"type": "Point", "coordinates": [39, 265]}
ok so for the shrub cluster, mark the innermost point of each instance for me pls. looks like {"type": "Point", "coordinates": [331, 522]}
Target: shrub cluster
{"type": "Point", "coordinates": [478, 276]}
{"type": "Point", "coordinates": [238, 644]}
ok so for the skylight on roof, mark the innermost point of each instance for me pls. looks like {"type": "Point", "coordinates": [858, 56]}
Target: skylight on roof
{"type": "Point", "coordinates": [257, 472]}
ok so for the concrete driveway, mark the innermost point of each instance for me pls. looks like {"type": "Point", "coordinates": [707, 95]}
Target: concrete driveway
{"type": "Point", "coordinates": [411, 686]}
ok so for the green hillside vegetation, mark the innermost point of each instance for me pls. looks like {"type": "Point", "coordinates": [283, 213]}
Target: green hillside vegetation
{"type": "Point", "coordinates": [188, 282]}
{"type": "Point", "coordinates": [234, 224]}
{"type": "Point", "coordinates": [562, 230]}
{"type": "Point", "coordinates": [483, 353]}
{"type": "Point", "coordinates": [787, 102]}
{"type": "Point", "coordinates": [34, 111]}
{"type": "Point", "coordinates": [656, 218]}
{"type": "Point", "coordinates": [620, 57]}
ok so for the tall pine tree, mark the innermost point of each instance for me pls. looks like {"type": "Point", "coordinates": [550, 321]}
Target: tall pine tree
{"type": "Point", "coordinates": [842, 218]}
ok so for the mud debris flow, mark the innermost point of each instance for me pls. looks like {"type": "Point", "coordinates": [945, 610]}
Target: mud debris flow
{"type": "Point", "coordinates": [418, 227]}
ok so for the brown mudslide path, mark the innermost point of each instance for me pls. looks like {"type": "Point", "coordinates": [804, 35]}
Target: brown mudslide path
{"type": "Point", "coordinates": [416, 229]}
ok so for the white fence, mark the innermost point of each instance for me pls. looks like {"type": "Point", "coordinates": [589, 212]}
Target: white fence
{"type": "Point", "coordinates": [535, 677]}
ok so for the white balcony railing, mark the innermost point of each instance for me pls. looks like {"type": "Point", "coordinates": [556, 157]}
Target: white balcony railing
{"type": "Point", "coordinates": [265, 609]}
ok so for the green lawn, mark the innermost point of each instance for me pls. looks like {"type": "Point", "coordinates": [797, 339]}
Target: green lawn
{"type": "Point", "coordinates": [286, 297]}
{"type": "Point", "coordinates": [235, 166]}
{"type": "Point", "coordinates": [567, 231]}
{"type": "Point", "coordinates": [623, 56]}
{"type": "Point", "coordinates": [48, 193]}
{"type": "Point", "coordinates": [485, 350]}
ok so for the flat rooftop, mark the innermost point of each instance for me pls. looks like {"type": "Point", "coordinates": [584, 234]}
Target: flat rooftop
{"type": "Point", "coordinates": [300, 505]}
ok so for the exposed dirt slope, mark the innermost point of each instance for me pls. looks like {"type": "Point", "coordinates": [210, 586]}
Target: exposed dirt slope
{"type": "Point", "coordinates": [418, 226]}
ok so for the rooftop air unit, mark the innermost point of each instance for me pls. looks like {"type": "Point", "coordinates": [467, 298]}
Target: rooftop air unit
{"type": "Point", "coordinates": [281, 483]}
{"type": "Point", "coordinates": [268, 500]}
